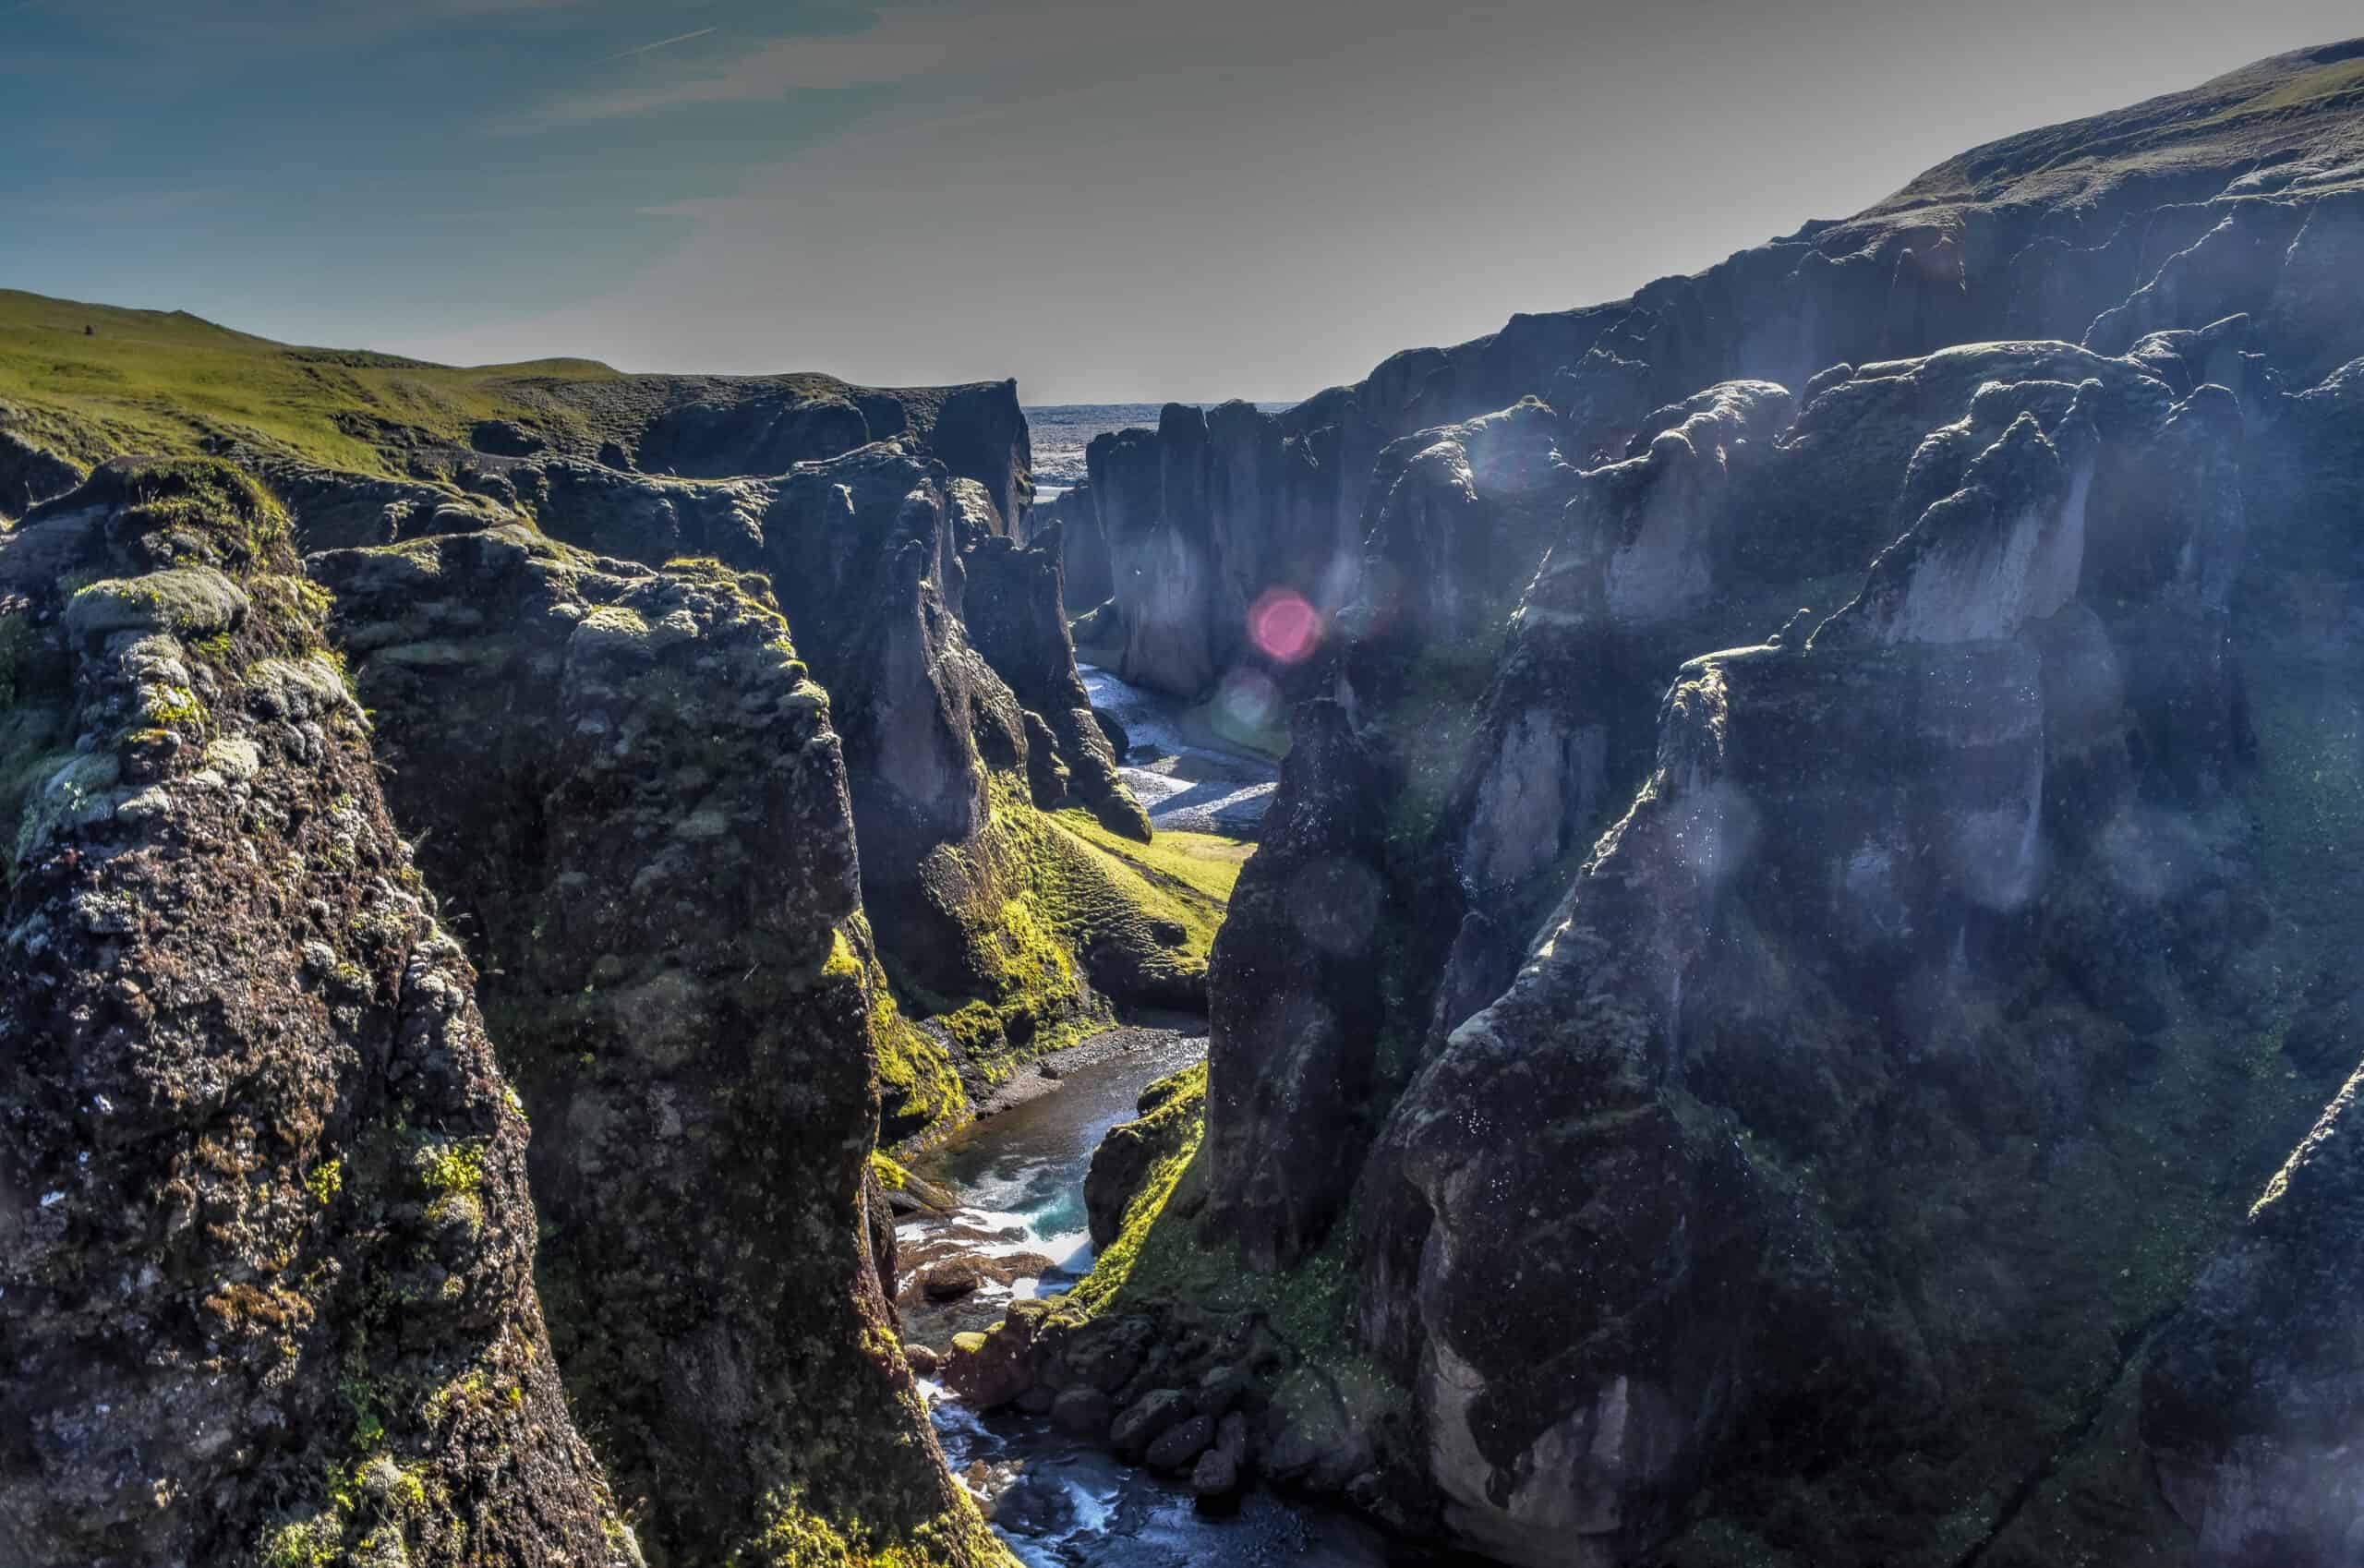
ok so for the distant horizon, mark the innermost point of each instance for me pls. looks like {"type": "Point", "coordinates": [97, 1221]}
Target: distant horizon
{"type": "Point", "coordinates": [1106, 204]}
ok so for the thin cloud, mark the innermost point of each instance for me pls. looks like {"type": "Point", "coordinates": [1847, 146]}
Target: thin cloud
{"type": "Point", "coordinates": [900, 45]}
{"type": "Point", "coordinates": [660, 43]}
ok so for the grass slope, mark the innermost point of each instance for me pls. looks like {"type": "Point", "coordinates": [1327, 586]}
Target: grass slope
{"type": "Point", "coordinates": [94, 382]}
{"type": "Point", "coordinates": [168, 382]}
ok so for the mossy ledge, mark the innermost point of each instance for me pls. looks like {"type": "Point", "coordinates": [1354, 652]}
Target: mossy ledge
{"type": "Point", "coordinates": [1173, 1311]}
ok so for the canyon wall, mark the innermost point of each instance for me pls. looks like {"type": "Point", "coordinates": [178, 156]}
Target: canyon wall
{"type": "Point", "coordinates": [736, 900]}
{"type": "Point", "coordinates": [1822, 1101]}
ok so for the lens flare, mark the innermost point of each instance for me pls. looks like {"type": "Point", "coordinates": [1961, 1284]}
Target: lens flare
{"type": "Point", "coordinates": [1284, 627]}
{"type": "Point", "coordinates": [1245, 705]}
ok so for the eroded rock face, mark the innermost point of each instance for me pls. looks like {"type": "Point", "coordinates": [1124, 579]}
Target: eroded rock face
{"type": "Point", "coordinates": [2254, 1393]}
{"type": "Point", "coordinates": [628, 780]}
{"type": "Point", "coordinates": [1774, 1157]}
{"type": "Point", "coordinates": [1017, 619]}
{"type": "Point", "coordinates": [1203, 517]}
{"type": "Point", "coordinates": [265, 1244]}
{"type": "Point", "coordinates": [1465, 512]}
{"type": "Point", "coordinates": [872, 555]}
{"type": "Point", "coordinates": [1293, 1029]}
{"type": "Point", "coordinates": [2004, 549]}
{"type": "Point", "coordinates": [1656, 1154]}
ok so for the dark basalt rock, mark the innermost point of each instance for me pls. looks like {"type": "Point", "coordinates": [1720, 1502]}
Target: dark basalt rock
{"type": "Point", "coordinates": [505, 438]}
{"type": "Point", "coordinates": [1083, 549]}
{"type": "Point", "coordinates": [628, 779]}
{"type": "Point", "coordinates": [2254, 1392]}
{"type": "Point", "coordinates": [265, 1242]}
{"type": "Point", "coordinates": [1785, 1169]}
{"type": "Point", "coordinates": [1121, 1164]}
{"type": "Point", "coordinates": [1017, 617]}
{"type": "Point", "coordinates": [1294, 1029]}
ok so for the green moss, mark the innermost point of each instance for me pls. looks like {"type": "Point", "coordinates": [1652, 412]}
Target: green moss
{"type": "Point", "coordinates": [326, 1181]}
{"type": "Point", "coordinates": [918, 1079]}
{"type": "Point", "coordinates": [1177, 863]}
{"type": "Point", "coordinates": [1430, 720]}
{"type": "Point", "coordinates": [797, 1536]}
{"type": "Point", "coordinates": [1130, 1267]}
{"type": "Point", "coordinates": [314, 1542]}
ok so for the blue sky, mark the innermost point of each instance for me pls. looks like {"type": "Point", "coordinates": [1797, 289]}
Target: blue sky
{"type": "Point", "coordinates": [310, 166]}
{"type": "Point", "coordinates": [1109, 200]}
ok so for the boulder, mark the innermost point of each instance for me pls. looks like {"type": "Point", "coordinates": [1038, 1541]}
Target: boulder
{"type": "Point", "coordinates": [1086, 1412]}
{"type": "Point", "coordinates": [1148, 1418]}
{"type": "Point", "coordinates": [1177, 1448]}
{"type": "Point", "coordinates": [1215, 1476]}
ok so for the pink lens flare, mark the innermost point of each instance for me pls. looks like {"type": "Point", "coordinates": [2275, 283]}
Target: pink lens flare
{"type": "Point", "coordinates": [1284, 626]}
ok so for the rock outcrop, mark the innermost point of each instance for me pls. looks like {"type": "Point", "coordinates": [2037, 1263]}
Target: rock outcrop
{"type": "Point", "coordinates": [958, 742]}
{"type": "Point", "coordinates": [266, 1246]}
{"type": "Point", "coordinates": [627, 778]}
{"type": "Point", "coordinates": [30, 474]}
{"type": "Point", "coordinates": [1794, 1120]}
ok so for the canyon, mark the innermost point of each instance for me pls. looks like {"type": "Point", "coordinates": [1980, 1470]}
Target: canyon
{"type": "Point", "coordinates": [1792, 1003]}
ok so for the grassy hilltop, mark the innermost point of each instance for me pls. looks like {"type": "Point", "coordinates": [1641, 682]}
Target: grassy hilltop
{"type": "Point", "coordinates": [88, 382]}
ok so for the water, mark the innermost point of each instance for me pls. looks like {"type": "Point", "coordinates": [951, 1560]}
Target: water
{"type": "Point", "coordinates": [1058, 1502]}
{"type": "Point", "coordinates": [1185, 774]}
{"type": "Point", "coordinates": [1018, 1174]}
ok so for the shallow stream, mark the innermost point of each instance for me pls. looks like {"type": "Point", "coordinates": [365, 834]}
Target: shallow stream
{"type": "Point", "coordinates": [1184, 776]}
{"type": "Point", "coordinates": [1060, 1502]}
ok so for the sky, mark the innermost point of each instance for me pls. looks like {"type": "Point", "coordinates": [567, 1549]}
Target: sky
{"type": "Point", "coordinates": [1110, 200]}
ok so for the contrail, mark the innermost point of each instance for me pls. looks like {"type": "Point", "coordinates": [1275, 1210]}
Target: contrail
{"type": "Point", "coordinates": [660, 43]}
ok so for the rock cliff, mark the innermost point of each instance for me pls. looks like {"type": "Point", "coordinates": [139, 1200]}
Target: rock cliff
{"type": "Point", "coordinates": [266, 1247]}
{"type": "Point", "coordinates": [1821, 1100]}
{"type": "Point", "coordinates": [625, 779]}
{"type": "Point", "coordinates": [628, 778]}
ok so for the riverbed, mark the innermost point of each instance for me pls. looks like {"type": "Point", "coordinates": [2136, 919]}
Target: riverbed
{"type": "Point", "coordinates": [1060, 1502]}
{"type": "Point", "coordinates": [1188, 778]}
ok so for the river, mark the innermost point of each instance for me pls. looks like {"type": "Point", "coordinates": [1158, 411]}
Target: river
{"type": "Point", "coordinates": [1058, 1502]}
{"type": "Point", "coordinates": [1017, 1177]}
{"type": "Point", "coordinates": [1187, 776]}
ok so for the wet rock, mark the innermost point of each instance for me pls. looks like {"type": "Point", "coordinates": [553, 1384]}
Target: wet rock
{"type": "Point", "coordinates": [951, 1279]}
{"type": "Point", "coordinates": [925, 1362]}
{"type": "Point", "coordinates": [995, 1367]}
{"type": "Point", "coordinates": [1106, 1356]}
{"type": "Point", "coordinates": [987, 1369]}
{"type": "Point", "coordinates": [1148, 1418]}
{"type": "Point", "coordinates": [1085, 1411]}
{"type": "Point", "coordinates": [1220, 1389]}
{"type": "Point", "coordinates": [1215, 1474]}
{"type": "Point", "coordinates": [1180, 1446]}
